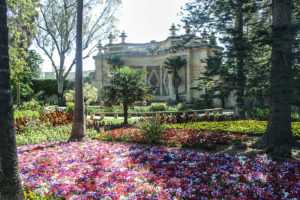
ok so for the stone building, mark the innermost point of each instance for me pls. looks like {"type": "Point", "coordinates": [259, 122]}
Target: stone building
{"type": "Point", "coordinates": [151, 57]}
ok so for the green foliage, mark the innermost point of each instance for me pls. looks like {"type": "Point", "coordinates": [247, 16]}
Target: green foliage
{"type": "Point", "coordinates": [152, 130]}
{"type": "Point", "coordinates": [70, 107]}
{"type": "Point", "coordinates": [115, 62]}
{"type": "Point", "coordinates": [173, 65]}
{"type": "Point", "coordinates": [182, 106]}
{"type": "Point", "coordinates": [26, 114]}
{"type": "Point", "coordinates": [158, 107]}
{"type": "Point", "coordinates": [250, 127]}
{"type": "Point", "coordinates": [118, 121]}
{"type": "Point", "coordinates": [57, 32]}
{"type": "Point", "coordinates": [90, 94]}
{"type": "Point", "coordinates": [295, 116]}
{"type": "Point", "coordinates": [26, 76]}
{"type": "Point", "coordinates": [263, 114]}
{"type": "Point", "coordinates": [125, 86]}
{"type": "Point", "coordinates": [31, 105]}
{"type": "Point", "coordinates": [47, 87]}
{"type": "Point", "coordinates": [37, 133]}
{"type": "Point", "coordinates": [256, 112]}
{"type": "Point", "coordinates": [21, 21]}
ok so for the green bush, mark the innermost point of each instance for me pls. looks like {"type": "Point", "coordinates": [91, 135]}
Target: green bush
{"type": "Point", "coordinates": [263, 114]}
{"type": "Point", "coordinates": [256, 112]}
{"type": "Point", "coordinates": [43, 132]}
{"type": "Point", "coordinates": [31, 105]}
{"type": "Point", "coordinates": [152, 130]}
{"type": "Point", "coordinates": [251, 127]}
{"type": "Point", "coordinates": [181, 106]}
{"type": "Point", "coordinates": [26, 114]}
{"type": "Point", "coordinates": [48, 87]}
{"type": "Point", "coordinates": [158, 107]}
{"type": "Point", "coordinates": [70, 107]}
{"type": "Point", "coordinates": [295, 116]}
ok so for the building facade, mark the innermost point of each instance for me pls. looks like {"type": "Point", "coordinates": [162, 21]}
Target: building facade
{"type": "Point", "coordinates": [151, 57]}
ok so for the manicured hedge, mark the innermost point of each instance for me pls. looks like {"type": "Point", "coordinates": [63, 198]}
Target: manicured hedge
{"type": "Point", "coordinates": [243, 126]}
{"type": "Point", "coordinates": [49, 86]}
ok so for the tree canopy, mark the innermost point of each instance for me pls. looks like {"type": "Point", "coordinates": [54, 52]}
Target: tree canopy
{"type": "Point", "coordinates": [125, 86]}
{"type": "Point", "coordinates": [57, 34]}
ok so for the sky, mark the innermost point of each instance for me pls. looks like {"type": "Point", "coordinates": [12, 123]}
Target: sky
{"type": "Point", "coordinates": [142, 21]}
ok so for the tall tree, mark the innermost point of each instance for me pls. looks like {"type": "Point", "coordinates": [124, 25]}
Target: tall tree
{"type": "Point", "coordinates": [31, 72]}
{"type": "Point", "coordinates": [22, 17]}
{"type": "Point", "coordinates": [125, 86]}
{"type": "Point", "coordinates": [278, 138]}
{"type": "Point", "coordinates": [78, 128]}
{"type": "Point", "coordinates": [57, 34]}
{"type": "Point", "coordinates": [228, 19]}
{"type": "Point", "coordinates": [10, 183]}
{"type": "Point", "coordinates": [173, 65]}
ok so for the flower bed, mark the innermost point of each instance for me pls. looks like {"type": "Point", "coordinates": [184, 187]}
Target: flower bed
{"type": "Point", "coordinates": [115, 171]}
{"type": "Point", "coordinates": [175, 137]}
{"type": "Point", "coordinates": [195, 138]}
{"type": "Point", "coordinates": [242, 126]}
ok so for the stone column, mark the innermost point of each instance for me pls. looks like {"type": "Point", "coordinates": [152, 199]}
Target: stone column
{"type": "Point", "coordinates": [160, 80]}
{"type": "Point", "coordinates": [171, 88]}
{"type": "Point", "coordinates": [188, 79]}
{"type": "Point", "coordinates": [145, 77]}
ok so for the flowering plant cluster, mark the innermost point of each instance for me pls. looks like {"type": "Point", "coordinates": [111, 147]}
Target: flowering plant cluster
{"type": "Point", "coordinates": [95, 170]}
{"type": "Point", "coordinates": [175, 137]}
{"type": "Point", "coordinates": [241, 126]}
{"type": "Point", "coordinates": [123, 134]}
{"type": "Point", "coordinates": [196, 138]}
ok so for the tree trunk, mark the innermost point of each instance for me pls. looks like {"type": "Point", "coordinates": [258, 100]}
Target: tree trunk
{"type": "Point", "coordinates": [125, 107]}
{"type": "Point", "coordinates": [278, 138]}
{"type": "Point", "coordinates": [240, 60]}
{"type": "Point", "coordinates": [78, 129]}
{"type": "Point", "coordinates": [176, 85]}
{"type": "Point", "coordinates": [10, 183]}
{"type": "Point", "coordinates": [18, 91]}
{"type": "Point", "coordinates": [60, 88]}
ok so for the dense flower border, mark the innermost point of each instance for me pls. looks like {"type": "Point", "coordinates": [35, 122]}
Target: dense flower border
{"type": "Point", "coordinates": [95, 170]}
{"type": "Point", "coordinates": [175, 137]}
{"type": "Point", "coordinates": [241, 126]}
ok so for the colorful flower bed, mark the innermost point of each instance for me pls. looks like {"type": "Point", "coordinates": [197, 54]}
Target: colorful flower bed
{"type": "Point", "coordinates": [175, 137]}
{"type": "Point", "coordinates": [96, 170]}
{"type": "Point", "coordinates": [196, 138]}
{"type": "Point", "coordinates": [242, 126]}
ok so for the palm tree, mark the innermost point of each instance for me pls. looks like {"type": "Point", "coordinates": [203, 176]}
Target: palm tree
{"type": "Point", "coordinates": [78, 129]}
{"type": "Point", "coordinates": [174, 65]}
{"type": "Point", "coordinates": [125, 86]}
{"type": "Point", "coordinates": [10, 183]}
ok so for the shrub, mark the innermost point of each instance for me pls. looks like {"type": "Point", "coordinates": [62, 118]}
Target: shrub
{"type": "Point", "coordinates": [263, 114]}
{"type": "Point", "coordinates": [158, 107]}
{"type": "Point", "coordinates": [258, 113]}
{"type": "Point", "coordinates": [57, 118]}
{"type": "Point", "coordinates": [31, 105]}
{"type": "Point", "coordinates": [70, 107]}
{"type": "Point", "coordinates": [48, 87]}
{"type": "Point", "coordinates": [243, 126]}
{"type": "Point", "coordinates": [26, 114]}
{"type": "Point", "coordinates": [295, 116]}
{"type": "Point", "coordinates": [152, 130]}
{"type": "Point", "coordinates": [183, 106]}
